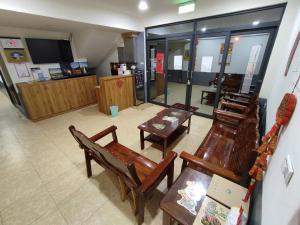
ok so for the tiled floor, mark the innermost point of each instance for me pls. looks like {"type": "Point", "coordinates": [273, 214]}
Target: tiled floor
{"type": "Point", "coordinates": [42, 171]}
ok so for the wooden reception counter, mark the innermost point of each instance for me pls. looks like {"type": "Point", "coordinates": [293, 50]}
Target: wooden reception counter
{"type": "Point", "coordinates": [45, 99]}
{"type": "Point", "coordinates": [116, 90]}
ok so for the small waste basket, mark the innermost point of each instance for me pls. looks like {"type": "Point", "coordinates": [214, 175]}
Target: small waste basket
{"type": "Point", "coordinates": [114, 110]}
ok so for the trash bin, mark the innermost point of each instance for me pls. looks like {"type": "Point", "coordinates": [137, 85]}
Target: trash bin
{"type": "Point", "coordinates": [114, 110]}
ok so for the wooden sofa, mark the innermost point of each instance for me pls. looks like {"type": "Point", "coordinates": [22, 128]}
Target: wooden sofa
{"type": "Point", "coordinates": [137, 174]}
{"type": "Point", "coordinates": [229, 147]}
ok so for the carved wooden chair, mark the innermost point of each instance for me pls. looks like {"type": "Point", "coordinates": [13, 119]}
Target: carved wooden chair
{"type": "Point", "coordinates": [136, 174]}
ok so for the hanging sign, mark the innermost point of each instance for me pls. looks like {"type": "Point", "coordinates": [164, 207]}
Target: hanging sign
{"type": "Point", "coordinates": [160, 62]}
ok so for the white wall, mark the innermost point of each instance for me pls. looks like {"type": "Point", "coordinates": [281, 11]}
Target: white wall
{"type": "Point", "coordinates": [96, 44]}
{"type": "Point", "coordinates": [104, 68]}
{"type": "Point", "coordinates": [28, 33]}
{"type": "Point", "coordinates": [281, 204]}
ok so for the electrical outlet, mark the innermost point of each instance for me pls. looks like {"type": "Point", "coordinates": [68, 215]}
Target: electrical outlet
{"type": "Point", "coordinates": [287, 169]}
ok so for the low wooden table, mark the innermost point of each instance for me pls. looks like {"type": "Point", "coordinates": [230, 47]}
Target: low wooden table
{"type": "Point", "coordinates": [172, 130]}
{"type": "Point", "coordinates": [172, 211]}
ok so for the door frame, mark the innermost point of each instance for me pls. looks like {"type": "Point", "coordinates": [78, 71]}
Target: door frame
{"type": "Point", "coordinates": [188, 84]}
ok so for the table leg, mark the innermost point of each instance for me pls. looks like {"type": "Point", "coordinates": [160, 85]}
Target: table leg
{"type": "Point", "coordinates": [202, 97]}
{"type": "Point", "coordinates": [164, 147]}
{"type": "Point", "coordinates": [167, 220]}
{"type": "Point", "coordinates": [189, 125]}
{"type": "Point", "coordinates": [142, 139]}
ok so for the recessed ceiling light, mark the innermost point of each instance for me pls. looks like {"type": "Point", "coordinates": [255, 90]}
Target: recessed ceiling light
{"type": "Point", "coordinates": [237, 38]}
{"type": "Point", "coordinates": [143, 5]}
{"type": "Point", "coordinates": [186, 7]}
{"type": "Point", "coordinates": [203, 29]}
{"type": "Point", "coordinates": [255, 23]}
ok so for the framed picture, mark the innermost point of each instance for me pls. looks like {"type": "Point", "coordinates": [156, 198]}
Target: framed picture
{"type": "Point", "coordinates": [37, 73]}
{"type": "Point", "coordinates": [11, 43]}
{"type": "Point", "coordinates": [16, 55]}
{"type": "Point", "coordinates": [55, 73]}
{"type": "Point", "coordinates": [230, 49]}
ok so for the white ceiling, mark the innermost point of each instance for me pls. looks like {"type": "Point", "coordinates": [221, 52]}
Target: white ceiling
{"type": "Point", "coordinates": [24, 20]}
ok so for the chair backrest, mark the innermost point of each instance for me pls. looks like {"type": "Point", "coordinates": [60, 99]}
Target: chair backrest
{"type": "Point", "coordinates": [108, 158]}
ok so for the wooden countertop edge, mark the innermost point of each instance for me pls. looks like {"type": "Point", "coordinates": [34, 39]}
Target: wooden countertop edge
{"type": "Point", "coordinates": [114, 77]}
{"type": "Point", "coordinates": [20, 84]}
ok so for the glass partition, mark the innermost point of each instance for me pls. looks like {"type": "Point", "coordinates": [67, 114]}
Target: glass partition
{"type": "Point", "coordinates": [245, 19]}
{"type": "Point", "coordinates": [207, 65]}
{"type": "Point", "coordinates": [170, 29]}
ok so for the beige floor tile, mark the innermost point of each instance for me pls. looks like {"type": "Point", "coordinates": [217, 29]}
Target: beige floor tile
{"type": "Point", "coordinates": [50, 164]}
{"type": "Point", "coordinates": [80, 205]}
{"type": "Point", "coordinates": [52, 218]}
{"type": "Point", "coordinates": [17, 181]}
{"type": "Point", "coordinates": [26, 210]}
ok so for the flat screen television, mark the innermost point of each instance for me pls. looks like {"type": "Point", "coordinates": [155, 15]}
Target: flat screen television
{"type": "Point", "coordinates": [49, 51]}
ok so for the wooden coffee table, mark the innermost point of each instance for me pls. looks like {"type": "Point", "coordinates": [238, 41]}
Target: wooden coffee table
{"type": "Point", "coordinates": [172, 130]}
{"type": "Point", "coordinates": [172, 211]}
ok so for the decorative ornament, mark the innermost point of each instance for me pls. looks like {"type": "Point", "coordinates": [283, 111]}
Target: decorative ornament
{"type": "Point", "coordinates": [119, 83]}
{"type": "Point", "coordinates": [269, 141]}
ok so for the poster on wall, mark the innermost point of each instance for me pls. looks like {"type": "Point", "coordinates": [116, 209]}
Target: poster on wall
{"type": "Point", "coordinates": [178, 62]}
{"type": "Point", "coordinates": [22, 70]}
{"type": "Point", "coordinates": [16, 55]}
{"type": "Point", "coordinates": [160, 62]}
{"type": "Point", "coordinates": [253, 58]}
{"type": "Point", "coordinates": [206, 64]}
{"type": "Point", "coordinates": [230, 49]}
{"type": "Point", "coordinates": [11, 43]}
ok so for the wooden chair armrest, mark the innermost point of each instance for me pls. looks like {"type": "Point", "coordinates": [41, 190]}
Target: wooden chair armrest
{"type": "Point", "coordinates": [240, 95]}
{"type": "Point", "coordinates": [103, 133]}
{"type": "Point", "coordinates": [238, 101]}
{"type": "Point", "coordinates": [232, 115]}
{"type": "Point", "coordinates": [232, 105]}
{"type": "Point", "coordinates": [212, 168]}
{"type": "Point", "coordinates": [158, 174]}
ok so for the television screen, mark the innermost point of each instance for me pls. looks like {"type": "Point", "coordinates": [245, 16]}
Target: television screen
{"type": "Point", "coordinates": [49, 51]}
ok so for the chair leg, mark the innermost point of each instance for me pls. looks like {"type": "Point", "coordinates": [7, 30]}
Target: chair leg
{"type": "Point", "coordinates": [88, 164]}
{"type": "Point", "coordinates": [141, 208]}
{"type": "Point", "coordinates": [122, 189]}
{"type": "Point", "coordinates": [170, 176]}
{"type": "Point", "coordinates": [134, 201]}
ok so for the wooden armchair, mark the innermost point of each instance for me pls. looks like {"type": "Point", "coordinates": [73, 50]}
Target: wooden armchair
{"type": "Point", "coordinates": [136, 174]}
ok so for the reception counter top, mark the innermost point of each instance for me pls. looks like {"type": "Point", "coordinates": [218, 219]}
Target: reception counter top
{"type": "Point", "coordinates": [45, 99]}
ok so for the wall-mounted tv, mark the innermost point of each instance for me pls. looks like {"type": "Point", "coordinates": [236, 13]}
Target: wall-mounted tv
{"type": "Point", "coordinates": [49, 51]}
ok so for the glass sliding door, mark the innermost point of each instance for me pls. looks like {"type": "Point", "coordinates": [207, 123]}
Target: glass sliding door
{"type": "Point", "coordinates": [209, 52]}
{"type": "Point", "coordinates": [156, 70]}
{"type": "Point", "coordinates": [245, 59]}
{"type": "Point", "coordinates": [178, 71]}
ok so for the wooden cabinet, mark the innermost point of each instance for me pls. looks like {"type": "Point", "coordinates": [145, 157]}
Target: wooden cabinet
{"type": "Point", "coordinates": [116, 90]}
{"type": "Point", "coordinates": [49, 98]}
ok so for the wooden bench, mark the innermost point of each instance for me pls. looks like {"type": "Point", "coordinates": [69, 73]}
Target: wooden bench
{"type": "Point", "coordinates": [136, 174]}
{"type": "Point", "coordinates": [228, 149]}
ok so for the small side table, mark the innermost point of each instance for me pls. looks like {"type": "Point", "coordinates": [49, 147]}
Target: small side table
{"type": "Point", "coordinates": [172, 211]}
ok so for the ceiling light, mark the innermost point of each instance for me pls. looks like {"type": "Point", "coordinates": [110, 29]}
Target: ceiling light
{"type": "Point", "coordinates": [143, 5]}
{"type": "Point", "coordinates": [237, 38]}
{"type": "Point", "coordinates": [203, 29]}
{"type": "Point", "coordinates": [186, 7]}
{"type": "Point", "coordinates": [255, 23]}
